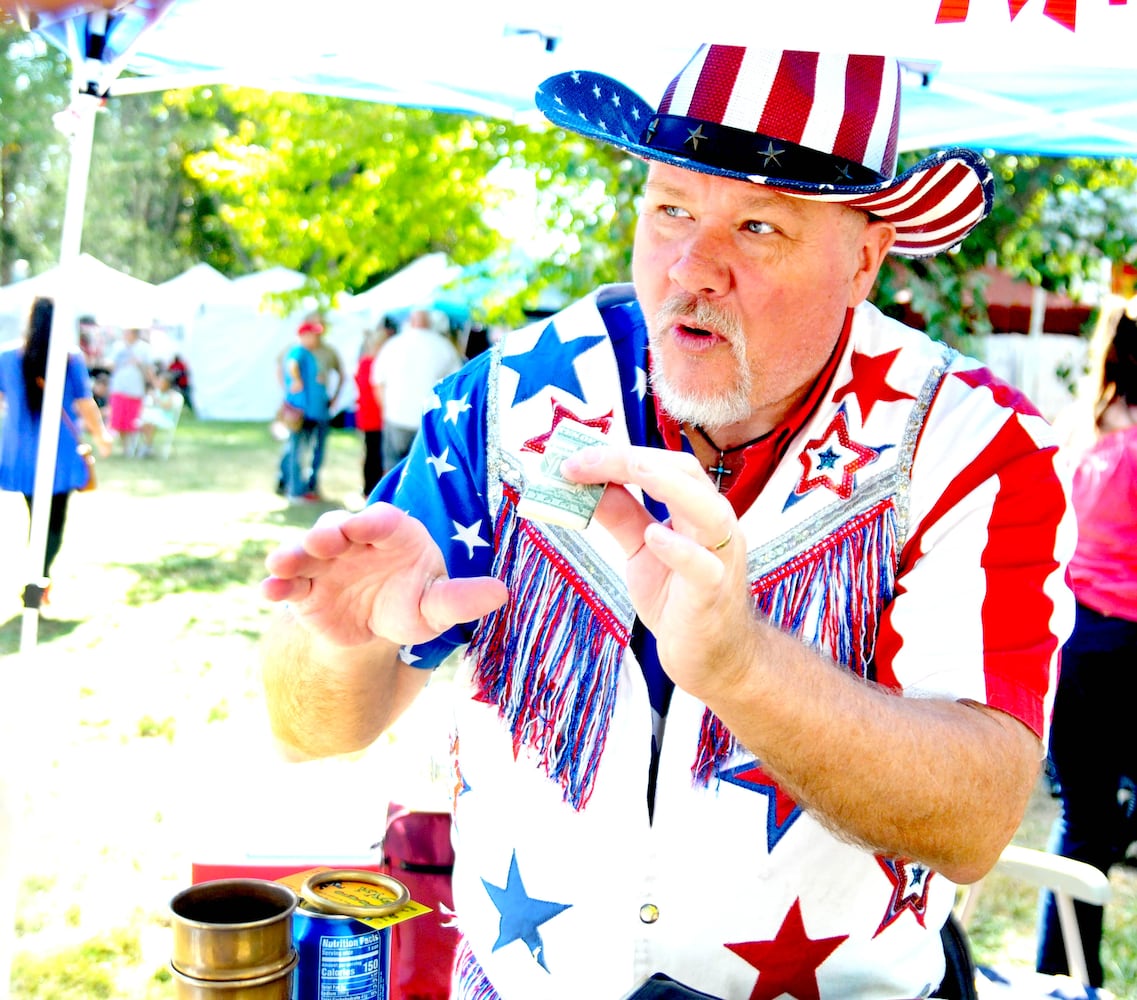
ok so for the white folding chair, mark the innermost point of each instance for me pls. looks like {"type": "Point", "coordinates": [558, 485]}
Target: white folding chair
{"type": "Point", "coordinates": [1067, 879]}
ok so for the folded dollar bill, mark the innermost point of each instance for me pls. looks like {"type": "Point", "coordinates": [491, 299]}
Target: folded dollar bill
{"type": "Point", "coordinates": [548, 496]}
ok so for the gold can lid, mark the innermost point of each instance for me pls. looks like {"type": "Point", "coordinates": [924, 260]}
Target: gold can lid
{"type": "Point", "coordinates": [354, 892]}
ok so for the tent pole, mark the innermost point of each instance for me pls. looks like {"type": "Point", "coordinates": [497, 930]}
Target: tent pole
{"type": "Point", "coordinates": [79, 120]}
{"type": "Point", "coordinates": [1032, 381]}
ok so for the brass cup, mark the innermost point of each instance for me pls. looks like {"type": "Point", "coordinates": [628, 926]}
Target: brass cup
{"type": "Point", "coordinates": [275, 986]}
{"type": "Point", "coordinates": [233, 929]}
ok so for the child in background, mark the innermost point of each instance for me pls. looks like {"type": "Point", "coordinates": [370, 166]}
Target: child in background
{"type": "Point", "coordinates": [158, 411]}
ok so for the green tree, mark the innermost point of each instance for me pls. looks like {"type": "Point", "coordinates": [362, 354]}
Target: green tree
{"type": "Point", "coordinates": [139, 214]}
{"type": "Point", "coordinates": [590, 196]}
{"type": "Point", "coordinates": [346, 191]}
{"type": "Point", "coordinates": [34, 86]}
{"type": "Point", "coordinates": [1053, 222]}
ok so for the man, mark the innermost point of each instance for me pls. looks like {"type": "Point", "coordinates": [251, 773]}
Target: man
{"type": "Point", "coordinates": [751, 726]}
{"type": "Point", "coordinates": [312, 375]}
{"type": "Point", "coordinates": [403, 376]}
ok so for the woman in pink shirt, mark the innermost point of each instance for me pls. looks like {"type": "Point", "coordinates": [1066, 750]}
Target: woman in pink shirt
{"type": "Point", "coordinates": [1092, 750]}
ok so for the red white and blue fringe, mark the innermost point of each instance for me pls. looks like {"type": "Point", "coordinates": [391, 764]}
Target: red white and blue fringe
{"type": "Point", "coordinates": [851, 574]}
{"type": "Point", "coordinates": [550, 658]}
{"type": "Point", "coordinates": [469, 979]}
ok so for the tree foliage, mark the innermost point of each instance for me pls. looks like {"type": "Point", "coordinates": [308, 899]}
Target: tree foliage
{"type": "Point", "coordinates": [139, 216]}
{"type": "Point", "coordinates": [1053, 223]}
{"type": "Point", "coordinates": [349, 192]}
{"type": "Point", "coordinates": [344, 191]}
{"type": "Point", "coordinates": [34, 86]}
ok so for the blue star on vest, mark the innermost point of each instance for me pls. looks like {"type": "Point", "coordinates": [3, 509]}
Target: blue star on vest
{"type": "Point", "coordinates": [521, 914]}
{"type": "Point", "coordinates": [549, 362]}
{"type": "Point", "coordinates": [827, 459]}
{"type": "Point", "coordinates": [782, 811]}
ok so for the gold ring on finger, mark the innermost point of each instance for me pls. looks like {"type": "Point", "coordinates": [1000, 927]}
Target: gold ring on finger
{"type": "Point", "coordinates": [723, 544]}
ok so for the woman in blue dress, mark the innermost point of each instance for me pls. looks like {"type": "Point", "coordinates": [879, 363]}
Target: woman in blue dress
{"type": "Point", "coordinates": [22, 375]}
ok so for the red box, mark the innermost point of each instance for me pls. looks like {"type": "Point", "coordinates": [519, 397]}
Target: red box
{"type": "Point", "coordinates": [277, 868]}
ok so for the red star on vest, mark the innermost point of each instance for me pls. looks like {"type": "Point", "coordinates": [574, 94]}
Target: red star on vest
{"type": "Point", "coordinates": [910, 881]}
{"type": "Point", "coordinates": [788, 964]}
{"type": "Point", "coordinates": [870, 382]}
{"type": "Point", "coordinates": [833, 460]}
{"type": "Point", "coordinates": [560, 413]}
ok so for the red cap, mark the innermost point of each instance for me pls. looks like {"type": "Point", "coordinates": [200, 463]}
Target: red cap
{"type": "Point", "coordinates": [310, 326]}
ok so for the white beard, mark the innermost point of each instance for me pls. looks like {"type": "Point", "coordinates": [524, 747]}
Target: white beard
{"type": "Point", "coordinates": [722, 405]}
{"type": "Point", "coordinates": [728, 405]}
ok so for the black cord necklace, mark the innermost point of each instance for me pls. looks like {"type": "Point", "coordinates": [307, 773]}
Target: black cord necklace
{"type": "Point", "coordinates": [718, 470]}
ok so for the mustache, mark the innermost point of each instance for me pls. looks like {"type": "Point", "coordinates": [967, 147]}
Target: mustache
{"type": "Point", "coordinates": [697, 312]}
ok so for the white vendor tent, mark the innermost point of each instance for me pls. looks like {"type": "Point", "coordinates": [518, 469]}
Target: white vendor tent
{"type": "Point", "coordinates": [416, 284]}
{"type": "Point", "coordinates": [237, 338]}
{"type": "Point", "coordinates": [182, 296]}
{"type": "Point", "coordinates": [90, 287]}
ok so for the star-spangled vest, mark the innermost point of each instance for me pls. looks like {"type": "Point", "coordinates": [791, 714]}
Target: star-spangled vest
{"type": "Point", "coordinates": [731, 887]}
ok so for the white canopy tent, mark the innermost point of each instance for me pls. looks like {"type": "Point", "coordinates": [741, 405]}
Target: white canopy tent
{"type": "Point", "coordinates": [415, 284]}
{"type": "Point", "coordinates": [181, 296]}
{"type": "Point", "coordinates": [92, 288]}
{"type": "Point", "coordinates": [236, 342]}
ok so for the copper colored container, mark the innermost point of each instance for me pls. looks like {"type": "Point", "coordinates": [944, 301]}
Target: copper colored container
{"type": "Point", "coordinates": [236, 929]}
{"type": "Point", "coordinates": [277, 986]}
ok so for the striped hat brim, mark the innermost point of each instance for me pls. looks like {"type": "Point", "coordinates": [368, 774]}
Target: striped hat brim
{"type": "Point", "coordinates": [933, 205]}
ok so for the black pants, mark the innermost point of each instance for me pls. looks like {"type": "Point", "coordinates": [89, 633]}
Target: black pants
{"type": "Point", "coordinates": [1092, 750]}
{"type": "Point", "coordinates": [372, 460]}
{"type": "Point", "coordinates": [55, 521]}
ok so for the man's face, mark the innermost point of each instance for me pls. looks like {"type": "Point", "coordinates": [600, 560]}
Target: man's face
{"type": "Point", "coordinates": [745, 291]}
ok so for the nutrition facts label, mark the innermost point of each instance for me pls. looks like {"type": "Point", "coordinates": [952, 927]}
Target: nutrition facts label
{"type": "Point", "coordinates": [348, 967]}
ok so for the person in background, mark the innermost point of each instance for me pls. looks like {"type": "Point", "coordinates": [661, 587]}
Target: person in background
{"type": "Point", "coordinates": [1092, 750]}
{"type": "Point", "coordinates": [403, 376]}
{"type": "Point", "coordinates": [369, 412]}
{"type": "Point", "coordinates": [132, 373]}
{"type": "Point", "coordinates": [89, 342]}
{"type": "Point", "coordinates": [100, 387]}
{"type": "Point", "coordinates": [477, 340]}
{"type": "Point", "coordinates": [331, 375]}
{"type": "Point", "coordinates": [751, 723]}
{"type": "Point", "coordinates": [158, 411]}
{"type": "Point", "coordinates": [306, 387]}
{"type": "Point", "coordinates": [23, 372]}
{"type": "Point", "coordinates": [179, 372]}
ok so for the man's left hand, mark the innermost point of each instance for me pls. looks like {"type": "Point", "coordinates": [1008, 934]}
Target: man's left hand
{"type": "Point", "coordinates": [687, 575]}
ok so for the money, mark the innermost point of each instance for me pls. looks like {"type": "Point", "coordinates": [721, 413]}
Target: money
{"type": "Point", "coordinates": [548, 496]}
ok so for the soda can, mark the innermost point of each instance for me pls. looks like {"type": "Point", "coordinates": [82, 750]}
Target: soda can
{"type": "Point", "coordinates": [340, 956]}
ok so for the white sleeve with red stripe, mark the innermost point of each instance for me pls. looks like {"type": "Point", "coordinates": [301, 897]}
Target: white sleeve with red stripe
{"type": "Point", "coordinates": [982, 607]}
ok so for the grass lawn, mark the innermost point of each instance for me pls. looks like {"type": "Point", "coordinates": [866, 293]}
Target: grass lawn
{"type": "Point", "coordinates": [135, 740]}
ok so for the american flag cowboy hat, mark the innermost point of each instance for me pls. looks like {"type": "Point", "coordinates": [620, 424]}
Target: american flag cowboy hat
{"type": "Point", "coordinates": [810, 124]}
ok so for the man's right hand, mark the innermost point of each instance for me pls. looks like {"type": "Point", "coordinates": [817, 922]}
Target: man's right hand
{"type": "Point", "coordinates": [375, 574]}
